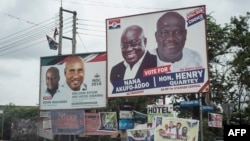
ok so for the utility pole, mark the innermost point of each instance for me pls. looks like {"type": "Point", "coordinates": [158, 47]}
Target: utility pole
{"type": "Point", "coordinates": [60, 31]}
{"type": "Point", "coordinates": [73, 39]}
{"type": "Point", "coordinates": [74, 34]}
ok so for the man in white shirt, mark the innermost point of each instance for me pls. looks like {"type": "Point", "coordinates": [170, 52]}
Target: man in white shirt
{"type": "Point", "coordinates": [171, 37]}
{"type": "Point", "coordinates": [52, 83]}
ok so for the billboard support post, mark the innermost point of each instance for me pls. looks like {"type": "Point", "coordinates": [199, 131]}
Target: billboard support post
{"type": "Point", "coordinates": [201, 123]}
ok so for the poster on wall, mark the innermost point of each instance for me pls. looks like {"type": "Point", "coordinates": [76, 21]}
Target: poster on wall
{"type": "Point", "coordinates": [157, 53]}
{"type": "Point", "coordinates": [73, 81]}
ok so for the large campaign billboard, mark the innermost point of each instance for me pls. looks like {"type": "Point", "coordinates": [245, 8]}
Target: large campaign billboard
{"type": "Point", "coordinates": [157, 53]}
{"type": "Point", "coordinates": [73, 81]}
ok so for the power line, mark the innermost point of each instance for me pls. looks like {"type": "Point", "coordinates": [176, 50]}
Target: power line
{"type": "Point", "coordinates": [20, 19]}
{"type": "Point", "coordinates": [91, 29]}
{"type": "Point", "coordinates": [104, 4]}
{"type": "Point", "coordinates": [19, 49]}
{"type": "Point", "coordinates": [25, 29]}
{"type": "Point", "coordinates": [82, 42]}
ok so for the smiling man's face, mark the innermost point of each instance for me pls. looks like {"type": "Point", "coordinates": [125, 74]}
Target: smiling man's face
{"type": "Point", "coordinates": [133, 44]}
{"type": "Point", "coordinates": [74, 72]}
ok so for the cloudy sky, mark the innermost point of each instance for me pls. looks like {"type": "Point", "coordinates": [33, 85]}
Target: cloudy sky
{"type": "Point", "coordinates": [25, 24]}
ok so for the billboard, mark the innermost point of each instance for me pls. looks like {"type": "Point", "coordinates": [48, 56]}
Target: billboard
{"type": "Point", "coordinates": [157, 53]}
{"type": "Point", "coordinates": [125, 124]}
{"type": "Point", "coordinates": [73, 81]}
{"type": "Point", "coordinates": [92, 122]}
{"type": "Point", "coordinates": [141, 134]}
{"type": "Point", "coordinates": [108, 122]}
{"type": "Point", "coordinates": [215, 120]}
{"type": "Point", "coordinates": [68, 122]}
{"type": "Point", "coordinates": [177, 129]}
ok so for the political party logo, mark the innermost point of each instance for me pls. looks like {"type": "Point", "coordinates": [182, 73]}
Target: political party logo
{"type": "Point", "coordinates": [96, 81]}
{"type": "Point", "coordinates": [114, 23]}
{"type": "Point", "coordinates": [195, 16]}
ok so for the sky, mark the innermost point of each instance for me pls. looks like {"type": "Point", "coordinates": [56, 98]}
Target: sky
{"type": "Point", "coordinates": [25, 24]}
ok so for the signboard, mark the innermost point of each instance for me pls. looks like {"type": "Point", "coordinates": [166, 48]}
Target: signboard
{"type": "Point", "coordinates": [139, 64]}
{"type": "Point", "coordinates": [125, 124]}
{"type": "Point", "coordinates": [108, 122]}
{"type": "Point", "coordinates": [139, 117]}
{"type": "Point", "coordinates": [92, 122]}
{"type": "Point", "coordinates": [141, 134]}
{"type": "Point", "coordinates": [73, 81]}
{"type": "Point", "coordinates": [126, 115]}
{"type": "Point", "coordinates": [68, 122]}
{"type": "Point", "coordinates": [177, 129]}
{"type": "Point", "coordinates": [158, 110]}
{"type": "Point", "coordinates": [45, 114]}
{"type": "Point", "coordinates": [208, 108]}
{"type": "Point", "coordinates": [214, 120]}
{"type": "Point", "coordinates": [189, 103]}
{"type": "Point", "coordinates": [44, 132]}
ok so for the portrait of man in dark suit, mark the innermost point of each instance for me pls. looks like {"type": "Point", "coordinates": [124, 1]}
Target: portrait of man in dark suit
{"type": "Point", "coordinates": [136, 56]}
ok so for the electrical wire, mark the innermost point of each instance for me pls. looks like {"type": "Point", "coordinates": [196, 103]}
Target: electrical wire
{"type": "Point", "coordinates": [35, 33]}
{"type": "Point", "coordinates": [82, 43]}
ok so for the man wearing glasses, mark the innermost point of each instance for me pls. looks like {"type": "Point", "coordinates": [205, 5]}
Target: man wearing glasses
{"type": "Point", "coordinates": [136, 57]}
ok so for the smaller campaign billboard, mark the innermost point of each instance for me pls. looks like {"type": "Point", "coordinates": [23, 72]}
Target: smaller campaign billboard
{"type": "Point", "coordinates": [75, 81]}
{"type": "Point", "coordinates": [214, 120]}
{"type": "Point", "coordinates": [108, 122]}
{"type": "Point", "coordinates": [92, 122]}
{"type": "Point", "coordinates": [68, 122]}
{"type": "Point", "coordinates": [141, 134]}
{"type": "Point", "coordinates": [177, 129]}
{"type": "Point", "coordinates": [141, 62]}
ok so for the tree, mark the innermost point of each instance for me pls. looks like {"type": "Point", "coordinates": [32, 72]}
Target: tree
{"type": "Point", "coordinates": [12, 112]}
{"type": "Point", "coordinates": [239, 44]}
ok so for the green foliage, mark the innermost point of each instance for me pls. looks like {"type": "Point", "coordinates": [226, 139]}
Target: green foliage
{"type": "Point", "coordinates": [11, 112]}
